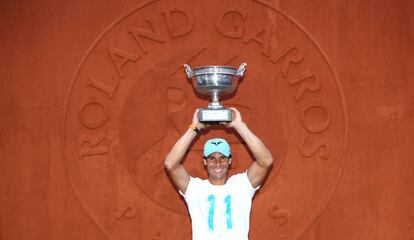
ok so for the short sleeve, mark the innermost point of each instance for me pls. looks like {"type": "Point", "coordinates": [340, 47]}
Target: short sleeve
{"type": "Point", "coordinates": [192, 186]}
{"type": "Point", "coordinates": [246, 184]}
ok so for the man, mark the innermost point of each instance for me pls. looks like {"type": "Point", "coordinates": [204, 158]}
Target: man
{"type": "Point", "coordinates": [219, 206]}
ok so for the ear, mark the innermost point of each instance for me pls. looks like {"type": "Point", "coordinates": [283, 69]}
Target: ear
{"type": "Point", "coordinates": [205, 162]}
{"type": "Point", "coordinates": [229, 161]}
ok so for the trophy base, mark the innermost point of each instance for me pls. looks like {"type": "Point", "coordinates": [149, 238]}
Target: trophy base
{"type": "Point", "coordinates": [215, 116]}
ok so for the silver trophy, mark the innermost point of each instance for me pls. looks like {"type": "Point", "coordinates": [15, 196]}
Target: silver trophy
{"type": "Point", "coordinates": [215, 81]}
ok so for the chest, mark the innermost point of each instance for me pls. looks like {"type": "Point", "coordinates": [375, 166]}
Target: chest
{"type": "Point", "coordinates": [220, 203]}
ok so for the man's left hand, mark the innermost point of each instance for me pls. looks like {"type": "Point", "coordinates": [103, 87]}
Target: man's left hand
{"type": "Point", "coordinates": [236, 119]}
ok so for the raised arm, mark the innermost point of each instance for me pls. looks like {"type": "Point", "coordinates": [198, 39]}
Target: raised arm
{"type": "Point", "coordinates": [175, 169]}
{"type": "Point", "coordinates": [259, 169]}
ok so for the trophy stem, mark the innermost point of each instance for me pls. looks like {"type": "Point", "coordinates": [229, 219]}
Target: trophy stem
{"type": "Point", "coordinates": [215, 103]}
{"type": "Point", "coordinates": [215, 97]}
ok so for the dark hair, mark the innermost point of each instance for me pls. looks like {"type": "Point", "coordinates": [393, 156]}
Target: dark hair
{"type": "Point", "coordinates": [223, 155]}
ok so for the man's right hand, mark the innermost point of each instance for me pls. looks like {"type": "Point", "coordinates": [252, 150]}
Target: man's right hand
{"type": "Point", "coordinates": [196, 122]}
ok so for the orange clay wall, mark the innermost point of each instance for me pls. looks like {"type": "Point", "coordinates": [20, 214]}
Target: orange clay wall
{"type": "Point", "coordinates": [93, 95]}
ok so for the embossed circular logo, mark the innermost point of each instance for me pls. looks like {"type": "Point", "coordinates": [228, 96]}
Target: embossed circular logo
{"type": "Point", "coordinates": [130, 101]}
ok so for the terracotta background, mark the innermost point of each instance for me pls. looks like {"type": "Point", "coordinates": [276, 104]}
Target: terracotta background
{"type": "Point", "coordinates": [369, 45]}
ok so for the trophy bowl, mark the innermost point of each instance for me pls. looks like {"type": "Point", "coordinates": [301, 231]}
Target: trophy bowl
{"type": "Point", "coordinates": [219, 79]}
{"type": "Point", "coordinates": [215, 81]}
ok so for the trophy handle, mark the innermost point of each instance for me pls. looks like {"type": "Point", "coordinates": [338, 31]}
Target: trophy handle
{"type": "Point", "coordinates": [242, 68]}
{"type": "Point", "coordinates": [188, 71]}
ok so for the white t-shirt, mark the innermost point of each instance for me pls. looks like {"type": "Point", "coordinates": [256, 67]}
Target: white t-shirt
{"type": "Point", "coordinates": [220, 211]}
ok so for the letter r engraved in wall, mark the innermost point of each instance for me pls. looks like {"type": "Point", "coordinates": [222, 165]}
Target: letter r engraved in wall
{"type": "Point", "coordinates": [289, 55]}
{"type": "Point", "coordinates": [310, 81]}
{"type": "Point", "coordinates": [91, 145]}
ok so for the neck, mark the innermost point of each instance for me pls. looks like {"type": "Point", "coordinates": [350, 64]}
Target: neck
{"type": "Point", "coordinates": [220, 181]}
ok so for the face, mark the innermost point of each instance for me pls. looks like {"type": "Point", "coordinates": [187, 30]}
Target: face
{"type": "Point", "coordinates": [217, 166]}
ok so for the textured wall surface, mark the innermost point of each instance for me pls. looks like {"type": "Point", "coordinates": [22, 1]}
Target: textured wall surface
{"type": "Point", "coordinates": [93, 95]}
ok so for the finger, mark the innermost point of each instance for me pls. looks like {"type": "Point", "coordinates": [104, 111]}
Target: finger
{"type": "Point", "coordinates": [234, 114]}
{"type": "Point", "coordinates": [226, 124]}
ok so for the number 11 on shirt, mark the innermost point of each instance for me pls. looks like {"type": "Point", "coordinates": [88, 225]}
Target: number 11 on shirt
{"type": "Point", "coordinates": [227, 200]}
